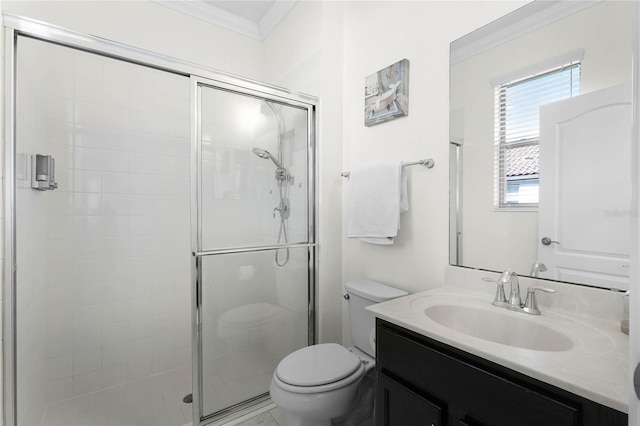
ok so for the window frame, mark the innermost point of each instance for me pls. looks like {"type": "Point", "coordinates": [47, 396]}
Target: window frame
{"type": "Point", "coordinates": [501, 144]}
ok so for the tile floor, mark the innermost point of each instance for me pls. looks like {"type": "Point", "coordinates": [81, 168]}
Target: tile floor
{"type": "Point", "coordinates": [273, 417]}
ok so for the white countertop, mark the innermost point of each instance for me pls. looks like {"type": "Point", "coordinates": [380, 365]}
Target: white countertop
{"type": "Point", "coordinates": [596, 367]}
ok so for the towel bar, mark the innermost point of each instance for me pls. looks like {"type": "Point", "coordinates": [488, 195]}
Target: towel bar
{"type": "Point", "coordinates": [427, 162]}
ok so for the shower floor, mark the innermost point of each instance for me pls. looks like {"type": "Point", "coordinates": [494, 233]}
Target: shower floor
{"type": "Point", "coordinates": [154, 401]}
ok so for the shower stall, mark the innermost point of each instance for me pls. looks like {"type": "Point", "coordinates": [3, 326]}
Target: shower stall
{"type": "Point", "coordinates": [159, 234]}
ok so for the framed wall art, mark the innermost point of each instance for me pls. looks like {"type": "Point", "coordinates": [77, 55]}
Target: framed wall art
{"type": "Point", "coordinates": [386, 94]}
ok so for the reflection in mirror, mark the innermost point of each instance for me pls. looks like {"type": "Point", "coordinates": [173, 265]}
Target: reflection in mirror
{"type": "Point", "coordinates": [540, 132]}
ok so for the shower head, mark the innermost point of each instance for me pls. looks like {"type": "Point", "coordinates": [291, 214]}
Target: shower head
{"type": "Point", "coordinates": [282, 174]}
{"type": "Point", "coordinates": [264, 154]}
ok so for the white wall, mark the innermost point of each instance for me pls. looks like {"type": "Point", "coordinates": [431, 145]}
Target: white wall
{"type": "Point", "coordinates": [378, 34]}
{"type": "Point", "coordinates": [291, 54]}
{"type": "Point", "coordinates": [329, 289]}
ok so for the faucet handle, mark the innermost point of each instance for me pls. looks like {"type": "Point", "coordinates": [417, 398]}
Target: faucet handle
{"type": "Point", "coordinates": [500, 298]}
{"type": "Point", "coordinates": [531, 304]}
{"type": "Point", "coordinates": [545, 289]}
{"type": "Point", "coordinates": [506, 276]}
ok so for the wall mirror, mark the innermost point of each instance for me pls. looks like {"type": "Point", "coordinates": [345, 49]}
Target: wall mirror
{"type": "Point", "coordinates": [540, 143]}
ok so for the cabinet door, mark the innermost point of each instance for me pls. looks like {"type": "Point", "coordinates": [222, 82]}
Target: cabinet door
{"type": "Point", "coordinates": [466, 422]}
{"type": "Point", "coordinates": [398, 405]}
{"type": "Point", "coordinates": [490, 397]}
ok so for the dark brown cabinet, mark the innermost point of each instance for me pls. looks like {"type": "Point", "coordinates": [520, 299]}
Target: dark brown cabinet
{"type": "Point", "coordinates": [403, 406]}
{"type": "Point", "coordinates": [420, 381]}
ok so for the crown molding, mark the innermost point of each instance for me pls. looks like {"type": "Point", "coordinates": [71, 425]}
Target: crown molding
{"type": "Point", "coordinates": [230, 21]}
{"type": "Point", "coordinates": [276, 13]}
{"type": "Point", "coordinates": [528, 18]}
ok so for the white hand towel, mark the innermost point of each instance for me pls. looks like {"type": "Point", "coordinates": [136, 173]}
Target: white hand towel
{"type": "Point", "coordinates": [377, 196]}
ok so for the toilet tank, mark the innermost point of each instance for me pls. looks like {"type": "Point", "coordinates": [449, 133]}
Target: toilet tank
{"type": "Point", "coordinates": [363, 293]}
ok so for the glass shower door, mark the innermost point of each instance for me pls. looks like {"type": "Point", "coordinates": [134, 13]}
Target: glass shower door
{"type": "Point", "coordinates": [254, 248]}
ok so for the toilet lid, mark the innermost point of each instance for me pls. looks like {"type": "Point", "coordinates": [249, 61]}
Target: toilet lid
{"type": "Point", "coordinates": [317, 365]}
{"type": "Point", "coordinates": [249, 314]}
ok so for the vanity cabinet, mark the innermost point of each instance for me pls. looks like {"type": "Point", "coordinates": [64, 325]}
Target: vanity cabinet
{"type": "Point", "coordinates": [420, 381]}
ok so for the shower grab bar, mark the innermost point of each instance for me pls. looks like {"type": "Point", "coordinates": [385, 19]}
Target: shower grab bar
{"type": "Point", "coordinates": [427, 162]}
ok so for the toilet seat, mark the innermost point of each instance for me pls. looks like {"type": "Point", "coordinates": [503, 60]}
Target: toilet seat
{"type": "Point", "coordinates": [318, 368]}
{"type": "Point", "coordinates": [359, 373]}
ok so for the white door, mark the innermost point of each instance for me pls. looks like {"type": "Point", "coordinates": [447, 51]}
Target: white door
{"type": "Point", "coordinates": [585, 196]}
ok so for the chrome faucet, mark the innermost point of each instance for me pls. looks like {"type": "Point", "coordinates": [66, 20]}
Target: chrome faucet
{"type": "Point", "coordinates": [536, 268]}
{"type": "Point", "coordinates": [514, 302]}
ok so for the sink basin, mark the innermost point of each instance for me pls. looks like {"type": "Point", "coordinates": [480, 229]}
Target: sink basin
{"type": "Point", "coordinates": [499, 327]}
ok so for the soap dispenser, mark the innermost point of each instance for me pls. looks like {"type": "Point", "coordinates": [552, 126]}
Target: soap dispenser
{"type": "Point", "coordinates": [43, 172]}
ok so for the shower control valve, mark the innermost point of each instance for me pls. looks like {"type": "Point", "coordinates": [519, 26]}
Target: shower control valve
{"type": "Point", "coordinates": [284, 208]}
{"type": "Point", "coordinates": [282, 175]}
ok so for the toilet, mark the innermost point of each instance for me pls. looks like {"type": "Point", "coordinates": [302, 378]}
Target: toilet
{"type": "Point", "coordinates": [317, 384]}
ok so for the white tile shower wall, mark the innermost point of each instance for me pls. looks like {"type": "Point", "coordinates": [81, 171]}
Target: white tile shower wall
{"type": "Point", "coordinates": [117, 244]}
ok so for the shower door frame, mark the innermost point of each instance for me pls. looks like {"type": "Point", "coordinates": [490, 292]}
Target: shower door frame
{"type": "Point", "coordinates": [198, 253]}
{"type": "Point", "coordinates": [15, 26]}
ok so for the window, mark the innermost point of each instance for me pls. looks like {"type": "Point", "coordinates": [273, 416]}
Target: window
{"type": "Point", "coordinates": [517, 132]}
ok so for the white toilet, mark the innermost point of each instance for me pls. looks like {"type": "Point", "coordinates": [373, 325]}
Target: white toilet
{"type": "Point", "coordinates": [319, 383]}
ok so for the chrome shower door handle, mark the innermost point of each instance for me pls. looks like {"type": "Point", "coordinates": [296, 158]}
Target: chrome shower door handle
{"type": "Point", "coordinates": [546, 241]}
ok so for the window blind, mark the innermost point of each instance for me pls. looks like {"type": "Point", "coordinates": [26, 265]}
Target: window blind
{"type": "Point", "coordinates": [517, 132]}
